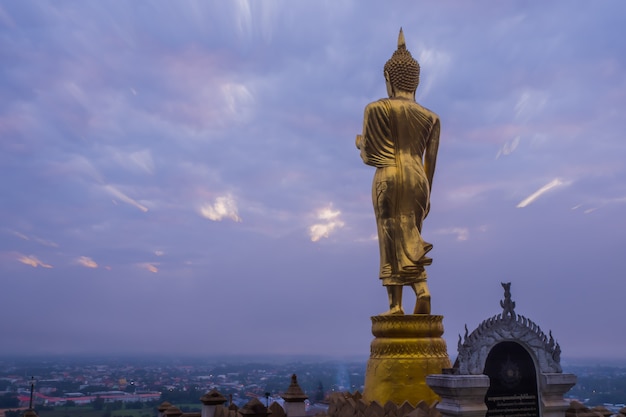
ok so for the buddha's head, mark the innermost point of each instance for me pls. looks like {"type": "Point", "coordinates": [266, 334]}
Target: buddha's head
{"type": "Point", "coordinates": [402, 72]}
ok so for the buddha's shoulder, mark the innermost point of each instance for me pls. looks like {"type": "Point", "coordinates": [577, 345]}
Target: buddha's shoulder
{"type": "Point", "coordinates": [427, 112]}
{"type": "Point", "coordinates": [388, 104]}
{"type": "Point", "coordinates": [383, 103]}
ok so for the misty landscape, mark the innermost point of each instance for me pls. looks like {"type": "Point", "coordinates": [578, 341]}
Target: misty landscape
{"type": "Point", "coordinates": [66, 383]}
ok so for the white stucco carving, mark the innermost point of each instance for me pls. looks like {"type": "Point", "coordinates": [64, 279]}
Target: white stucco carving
{"type": "Point", "coordinates": [508, 326]}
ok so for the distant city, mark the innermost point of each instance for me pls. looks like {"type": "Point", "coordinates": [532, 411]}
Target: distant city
{"type": "Point", "coordinates": [146, 382]}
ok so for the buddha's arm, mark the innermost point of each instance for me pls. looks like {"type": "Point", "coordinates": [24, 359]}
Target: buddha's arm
{"type": "Point", "coordinates": [430, 155]}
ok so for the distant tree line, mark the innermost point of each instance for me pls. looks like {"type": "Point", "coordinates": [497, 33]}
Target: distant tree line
{"type": "Point", "coordinates": [13, 413]}
{"type": "Point", "coordinates": [191, 395]}
{"type": "Point", "coordinates": [9, 400]}
{"type": "Point", "coordinates": [600, 389]}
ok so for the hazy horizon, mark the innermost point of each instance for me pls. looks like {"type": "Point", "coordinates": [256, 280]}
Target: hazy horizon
{"type": "Point", "coordinates": [566, 362]}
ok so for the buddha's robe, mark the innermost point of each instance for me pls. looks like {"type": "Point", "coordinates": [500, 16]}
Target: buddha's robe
{"type": "Point", "coordinates": [397, 134]}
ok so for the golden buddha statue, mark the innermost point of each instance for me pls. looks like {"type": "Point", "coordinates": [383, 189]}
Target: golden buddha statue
{"type": "Point", "coordinates": [400, 138]}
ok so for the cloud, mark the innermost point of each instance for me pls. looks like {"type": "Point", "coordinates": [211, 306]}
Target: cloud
{"type": "Point", "coordinates": [615, 200]}
{"type": "Point", "coordinates": [534, 196]}
{"type": "Point", "coordinates": [33, 261]}
{"type": "Point", "coordinates": [223, 207]}
{"type": "Point", "coordinates": [20, 235]}
{"type": "Point", "coordinates": [75, 165]}
{"type": "Point", "coordinates": [371, 238]}
{"type": "Point", "coordinates": [243, 17]}
{"type": "Point", "coordinates": [238, 100]}
{"type": "Point", "coordinates": [530, 103]}
{"type": "Point", "coordinates": [462, 233]}
{"type": "Point", "coordinates": [437, 62]}
{"type": "Point", "coordinates": [39, 240]}
{"type": "Point", "coordinates": [140, 160]}
{"type": "Point", "coordinates": [46, 242]}
{"type": "Point", "coordinates": [329, 222]}
{"type": "Point", "coordinates": [509, 147]}
{"type": "Point", "coordinates": [600, 203]}
{"type": "Point", "coordinates": [123, 197]}
{"type": "Point", "coordinates": [87, 262]}
{"type": "Point", "coordinates": [149, 267]}
{"type": "Point", "coordinates": [471, 192]}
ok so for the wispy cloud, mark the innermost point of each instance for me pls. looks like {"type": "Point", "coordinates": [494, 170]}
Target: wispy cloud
{"type": "Point", "coordinates": [615, 200]}
{"type": "Point", "coordinates": [243, 16]}
{"type": "Point", "coordinates": [371, 238]}
{"type": "Point", "coordinates": [238, 99]}
{"type": "Point", "coordinates": [534, 196]}
{"type": "Point", "coordinates": [150, 267]}
{"type": "Point", "coordinates": [461, 233]}
{"type": "Point", "coordinates": [470, 192]}
{"type": "Point", "coordinates": [140, 161]}
{"type": "Point", "coordinates": [530, 103]}
{"type": "Point", "coordinates": [508, 148]}
{"type": "Point", "coordinates": [33, 261]}
{"type": "Point", "coordinates": [123, 197]}
{"type": "Point", "coordinates": [598, 204]}
{"type": "Point", "coordinates": [328, 221]}
{"type": "Point", "coordinates": [87, 262]}
{"type": "Point", "coordinates": [437, 61]}
{"type": "Point", "coordinates": [223, 207]}
{"type": "Point", "coordinates": [20, 235]}
{"type": "Point", "coordinates": [44, 242]}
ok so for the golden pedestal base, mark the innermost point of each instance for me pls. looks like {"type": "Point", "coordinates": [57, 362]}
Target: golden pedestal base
{"type": "Point", "coordinates": [406, 349]}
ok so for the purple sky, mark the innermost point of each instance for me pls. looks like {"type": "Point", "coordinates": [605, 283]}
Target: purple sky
{"type": "Point", "coordinates": [181, 177]}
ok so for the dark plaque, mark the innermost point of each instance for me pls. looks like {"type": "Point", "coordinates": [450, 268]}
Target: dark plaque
{"type": "Point", "coordinates": [513, 382]}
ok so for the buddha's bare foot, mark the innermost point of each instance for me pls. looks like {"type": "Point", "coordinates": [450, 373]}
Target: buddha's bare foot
{"type": "Point", "coordinates": [422, 305]}
{"type": "Point", "coordinates": [394, 311]}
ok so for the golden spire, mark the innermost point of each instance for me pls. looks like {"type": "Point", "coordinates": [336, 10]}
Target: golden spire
{"type": "Point", "coordinates": [401, 41]}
